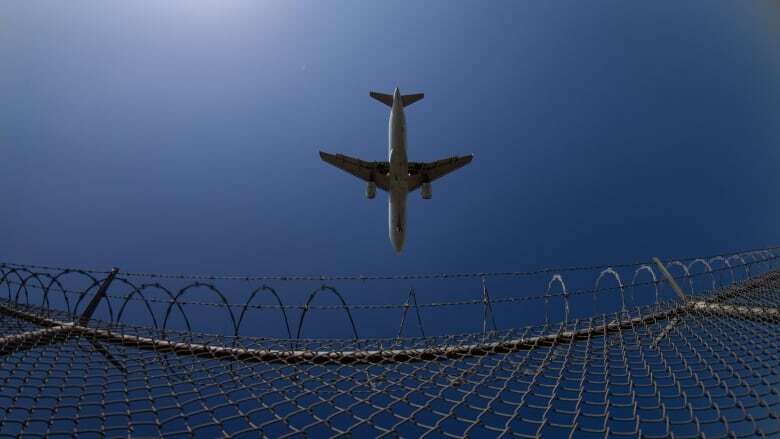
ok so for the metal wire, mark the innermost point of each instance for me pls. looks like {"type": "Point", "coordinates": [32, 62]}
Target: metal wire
{"type": "Point", "coordinates": [704, 365]}
{"type": "Point", "coordinates": [368, 277]}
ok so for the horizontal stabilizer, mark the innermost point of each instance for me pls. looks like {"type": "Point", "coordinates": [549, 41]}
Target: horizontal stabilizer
{"type": "Point", "coordinates": [383, 98]}
{"type": "Point", "coordinates": [406, 100]}
{"type": "Point", "coordinates": [410, 99]}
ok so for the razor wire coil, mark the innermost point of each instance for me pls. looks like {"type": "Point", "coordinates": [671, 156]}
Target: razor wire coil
{"type": "Point", "coordinates": [708, 365]}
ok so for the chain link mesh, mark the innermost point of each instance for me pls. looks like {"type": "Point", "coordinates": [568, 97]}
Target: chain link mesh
{"type": "Point", "coordinates": [618, 359]}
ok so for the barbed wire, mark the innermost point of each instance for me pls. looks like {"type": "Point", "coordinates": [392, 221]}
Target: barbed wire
{"type": "Point", "coordinates": [172, 298]}
{"type": "Point", "coordinates": [383, 306]}
{"type": "Point", "coordinates": [371, 277]}
{"type": "Point", "coordinates": [702, 365]}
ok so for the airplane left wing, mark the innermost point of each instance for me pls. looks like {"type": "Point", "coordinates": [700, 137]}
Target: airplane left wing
{"type": "Point", "coordinates": [367, 171]}
{"type": "Point", "coordinates": [420, 173]}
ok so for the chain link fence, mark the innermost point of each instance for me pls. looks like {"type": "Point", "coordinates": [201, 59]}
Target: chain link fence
{"type": "Point", "coordinates": [683, 348]}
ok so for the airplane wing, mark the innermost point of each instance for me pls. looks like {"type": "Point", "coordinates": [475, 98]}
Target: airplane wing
{"type": "Point", "coordinates": [368, 171]}
{"type": "Point", "coordinates": [420, 173]}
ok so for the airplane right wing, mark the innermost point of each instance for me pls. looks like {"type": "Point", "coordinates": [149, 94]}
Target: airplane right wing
{"type": "Point", "coordinates": [367, 171]}
{"type": "Point", "coordinates": [420, 173]}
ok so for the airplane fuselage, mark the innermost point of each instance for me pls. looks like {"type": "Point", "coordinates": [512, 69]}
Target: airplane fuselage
{"type": "Point", "coordinates": [399, 171]}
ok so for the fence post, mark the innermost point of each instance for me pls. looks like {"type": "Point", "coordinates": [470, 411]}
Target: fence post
{"type": "Point", "coordinates": [90, 309]}
{"type": "Point", "coordinates": [668, 276]}
{"type": "Point", "coordinates": [487, 307]}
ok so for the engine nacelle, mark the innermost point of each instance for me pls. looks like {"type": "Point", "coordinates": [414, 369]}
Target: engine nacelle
{"type": "Point", "coordinates": [426, 191]}
{"type": "Point", "coordinates": [371, 190]}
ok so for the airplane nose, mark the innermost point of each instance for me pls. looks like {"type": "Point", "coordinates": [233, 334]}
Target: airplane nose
{"type": "Point", "coordinates": [397, 239]}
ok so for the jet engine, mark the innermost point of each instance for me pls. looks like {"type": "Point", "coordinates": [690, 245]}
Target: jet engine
{"type": "Point", "coordinates": [426, 191]}
{"type": "Point", "coordinates": [371, 190]}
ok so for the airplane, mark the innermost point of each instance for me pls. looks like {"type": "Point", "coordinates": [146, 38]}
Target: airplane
{"type": "Point", "coordinates": [397, 176]}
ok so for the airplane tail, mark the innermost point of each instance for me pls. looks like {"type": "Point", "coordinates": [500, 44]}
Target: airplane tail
{"type": "Point", "coordinates": [388, 99]}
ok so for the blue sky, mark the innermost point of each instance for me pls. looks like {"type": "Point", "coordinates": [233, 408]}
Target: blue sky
{"type": "Point", "coordinates": [180, 136]}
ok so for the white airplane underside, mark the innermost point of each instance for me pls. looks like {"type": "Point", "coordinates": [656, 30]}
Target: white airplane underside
{"type": "Point", "coordinates": [397, 176]}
